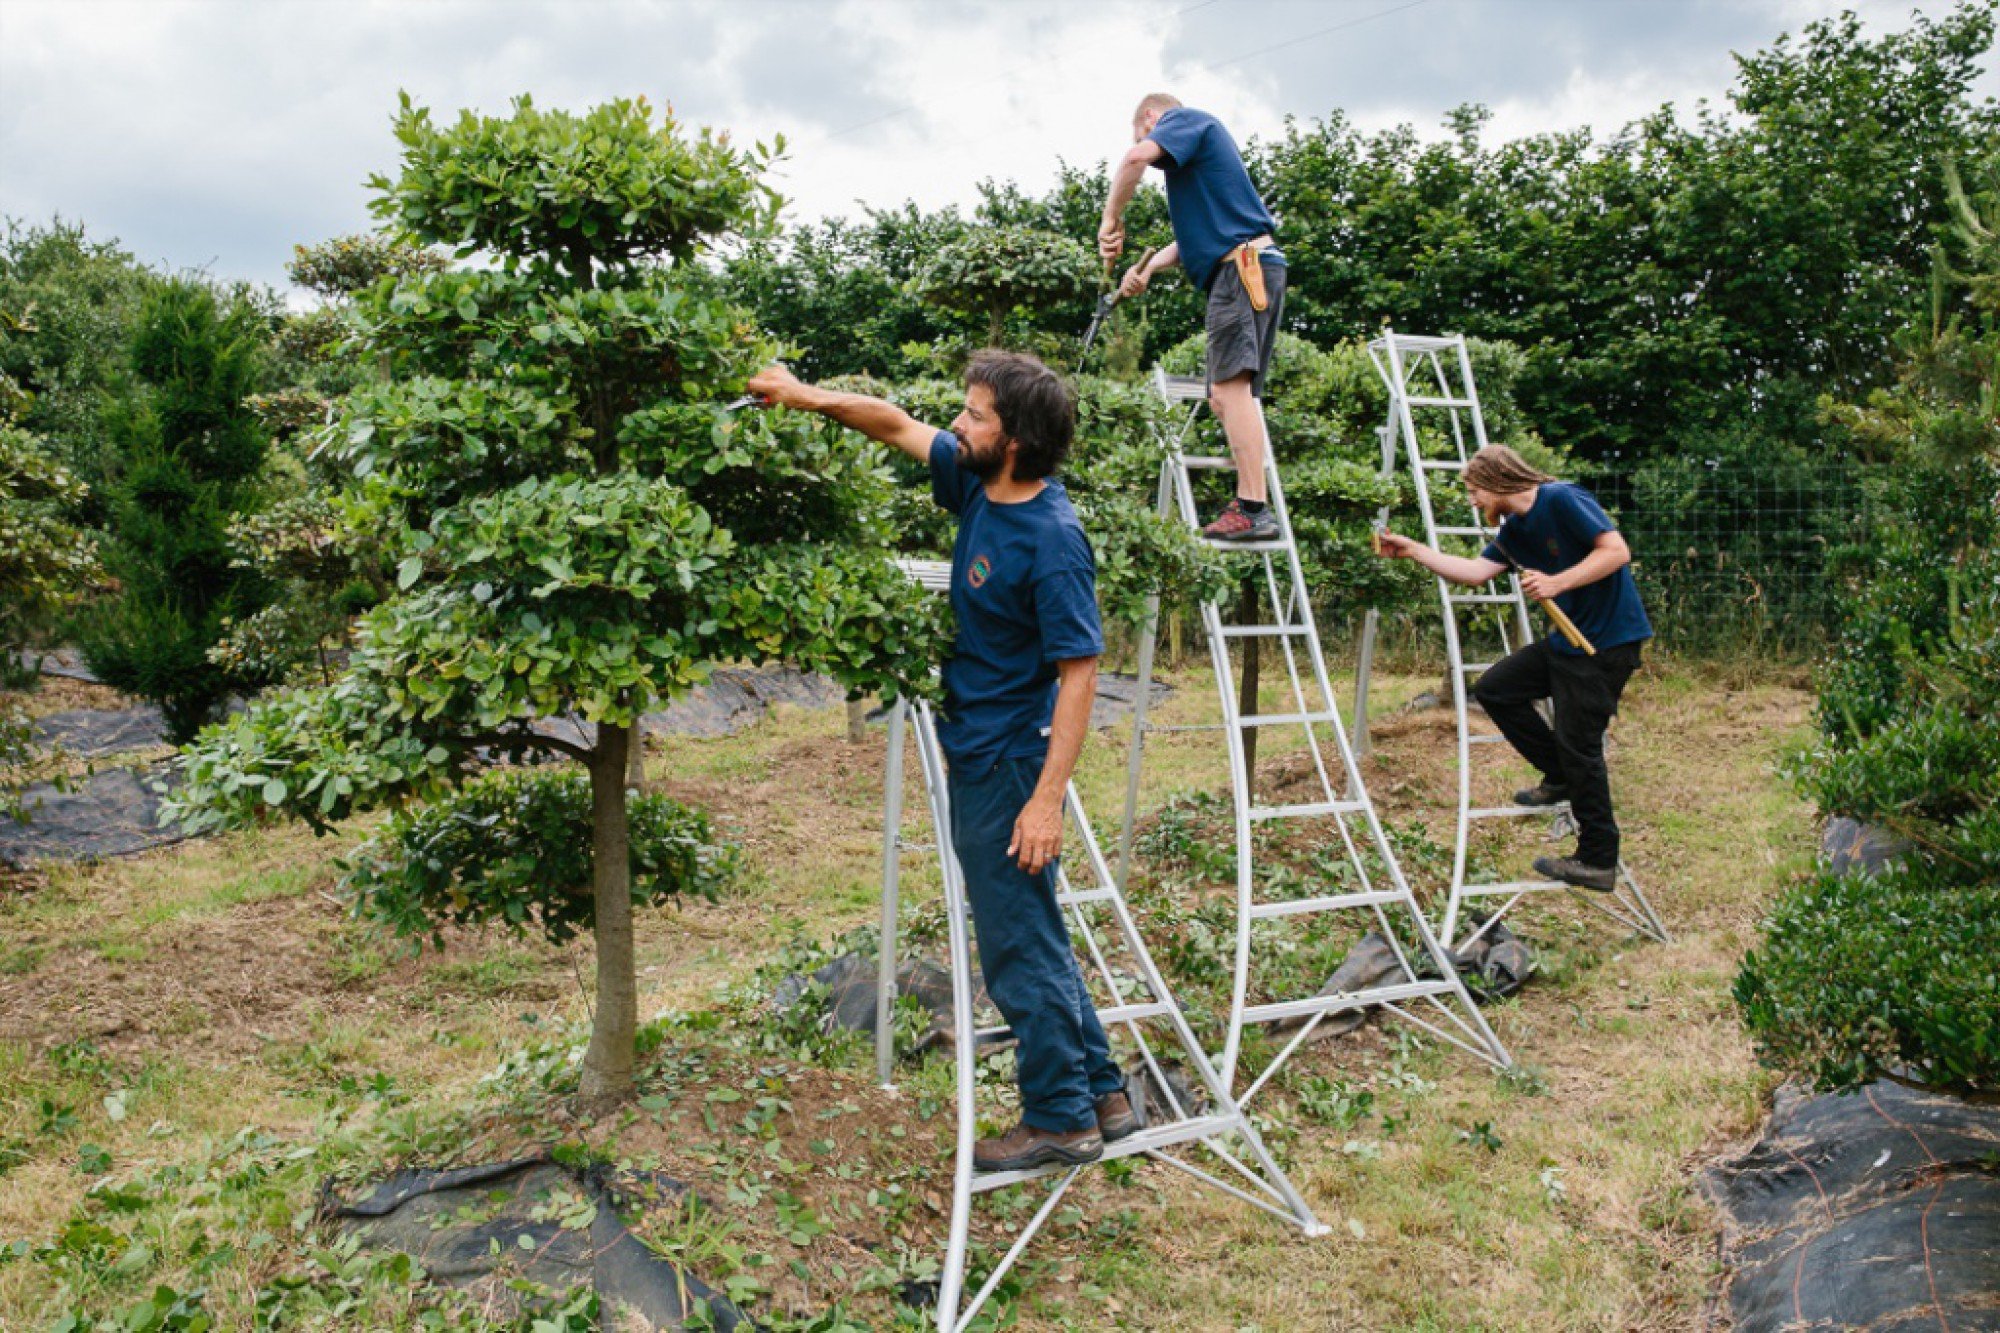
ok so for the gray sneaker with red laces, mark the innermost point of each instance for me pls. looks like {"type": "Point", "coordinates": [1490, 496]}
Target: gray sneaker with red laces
{"type": "Point", "coordinates": [1235, 524]}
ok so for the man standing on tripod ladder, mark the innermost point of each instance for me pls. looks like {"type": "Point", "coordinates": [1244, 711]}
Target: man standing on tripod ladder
{"type": "Point", "coordinates": [1568, 551]}
{"type": "Point", "coordinates": [1222, 236]}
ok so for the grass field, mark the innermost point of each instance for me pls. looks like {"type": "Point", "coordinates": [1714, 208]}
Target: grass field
{"type": "Point", "coordinates": [192, 1041]}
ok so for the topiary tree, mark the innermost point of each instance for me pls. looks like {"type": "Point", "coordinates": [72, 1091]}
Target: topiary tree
{"type": "Point", "coordinates": [996, 272]}
{"type": "Point", "coordinates": [576, 523]}
{"type": "Point", "coordinates": [46, 561]}
{"type": "Point", "coordinates": [190, 453]}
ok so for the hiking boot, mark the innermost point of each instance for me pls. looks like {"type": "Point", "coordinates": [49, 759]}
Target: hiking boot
{"type": "Point", "coordinates": [1601, 879]}
{"type": "Point", "coordinates": [1116, 1116]}
{"type": "Point", "coordinates": [1024, 1147]}
{"type": "Point", "coordinates": [1544, 793]}
{"type": "Point", "coordinates": [1235, 524]}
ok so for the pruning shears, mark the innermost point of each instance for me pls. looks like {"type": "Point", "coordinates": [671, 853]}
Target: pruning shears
{"type": "Point", "coordinates": [1105, 305]}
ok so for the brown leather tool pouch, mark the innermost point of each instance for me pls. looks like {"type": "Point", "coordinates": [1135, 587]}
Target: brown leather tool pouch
{"type": "Point", "coordinates": [1251, 270]}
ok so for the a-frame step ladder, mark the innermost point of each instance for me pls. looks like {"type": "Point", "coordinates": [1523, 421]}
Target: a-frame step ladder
{"type": "Point", "coordinates": [1130, 998]}
{"type": "Point", "coordinates": [1432, 998]}
{"type": "Point", "coordinates": [1434, 376]}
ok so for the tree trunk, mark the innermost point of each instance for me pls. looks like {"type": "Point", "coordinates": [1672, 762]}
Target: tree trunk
{"type": "Point", "coordinates": [607, 1065]}
{"type": "Point", "coordinates": [857, 721]}
{"type": "Point", "coordinates": [635, 767]}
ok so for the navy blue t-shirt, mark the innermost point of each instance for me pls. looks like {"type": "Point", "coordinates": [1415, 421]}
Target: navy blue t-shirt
{"type": "Point", "coordinates": [1213, 205]}
{"type": "Point", "coordinates": [1024, 591]}
{"type": "Point", "coordinates": [1560, 529]}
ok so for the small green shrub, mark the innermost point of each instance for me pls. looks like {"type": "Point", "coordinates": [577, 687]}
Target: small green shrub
{"type": "Point", "coordinates": [1863, 974]}
{"type": "Point", "coordinates": [495, 850]}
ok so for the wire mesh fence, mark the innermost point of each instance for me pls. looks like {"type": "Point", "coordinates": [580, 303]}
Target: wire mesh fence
{"type": "Point", "coordinates": [1731, 555]}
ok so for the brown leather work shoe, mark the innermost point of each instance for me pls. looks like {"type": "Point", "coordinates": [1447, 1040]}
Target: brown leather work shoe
{"type": "Point", "coordinates": [1115, 1117]}
{"type": "Point", "coordinates": [1024, 1147]}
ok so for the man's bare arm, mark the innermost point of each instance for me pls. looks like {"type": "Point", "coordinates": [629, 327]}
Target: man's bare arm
{"type": "Point", "coordinates": [1140, 275]}
{"type": "Point", "coordinates": [1124, 184]}
{"type": "Point", "coordinates": [878, 420]}
{"type": "Point", "coordinates": [1457, 568]}
{"type": "Point", "coordinates": [1038, 831]}
{"type": "Point", "coordinates": [1608, 555]}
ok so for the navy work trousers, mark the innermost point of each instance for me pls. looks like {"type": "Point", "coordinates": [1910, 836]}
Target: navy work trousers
{"type": "Point", "coordinates": [1585, 692]}
{"type": "Point", "coordinates": [1063, 1062]}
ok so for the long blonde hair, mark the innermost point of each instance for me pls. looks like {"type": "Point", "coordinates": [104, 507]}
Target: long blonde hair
{"type": "Point", "coordinates": [1498, 470]}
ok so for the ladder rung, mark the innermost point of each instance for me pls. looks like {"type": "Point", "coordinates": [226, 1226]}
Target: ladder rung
{"type": "Point", "coordinates": [1414, 401]}
{"type": "Point", "coordinates": [1201, 462]}
{"type": "Point", "coordinates": [1481, 598]}
{"type": "Point", "coordinates": [1288, 720]}
{"type": "Point", "coordinates": [1181, 387]}
{"type": "Point", "coordinates": [1441, 465]}
{"type": "Point", "coordinates": [1217, 544]}
{"type": "Point", "coordinates": [1510, 886]}
{"type": "Point", "coordinates": [1478, 739]}
{"type": "Point", "coordinates": [1075, 896]}
{"type": "Point", "coordinates": [1334, 903]}
{"type": "Point", "coordinates": [1417, 342]}
{"type": "Point", "coordinates": [1263, 631]}
{"type": "Point", "coordinates": [1514, 811]}
{"type": "Point", "coordinates": [1143, 1141]}
{"type": "Point", "coordinates": [1470, 667]}
{"type": "Point", "coordinates": [1323, 1004]}
{"type": "Point", "coordinates": [1132, 1013]}
{"type": "Point", "coordinates": [1464, 532]}
{"type": "Point", "coordinates": [1306, 811]}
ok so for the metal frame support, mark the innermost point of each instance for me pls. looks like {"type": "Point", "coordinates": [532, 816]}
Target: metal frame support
{"type": "Point", "coordinates": [1135, 995]}
{"type": "Point", "coordinates": [1438, 1004]}
{"type": "Point", "coordinates": [1435, 375]}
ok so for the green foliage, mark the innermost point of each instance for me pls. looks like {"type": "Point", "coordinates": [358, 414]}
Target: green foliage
{"type": "Point", "coordinates": [546, 188]}
{"type": "Point", "coordinates": [1866, 974]}
{"type": "Point", "coordinates": [67, 306]}
{"type": "Point", "coordinates": [512, 848]}
{"type": "Point", "coordinates": [997, 272]}
{"type": "Point", "coordinates": [45, 561]}
{"type": "Point", "coordinates": [1861, 974]}
{"type": "Point", "coordinates": [190, 452]}
{"type": "Point", "coordinates": [348, 265]}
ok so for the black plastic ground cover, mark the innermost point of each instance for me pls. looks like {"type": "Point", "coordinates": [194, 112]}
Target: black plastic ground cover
{"type": "Point", "coordinates": [480, 1228]}
{"type": "Point", "coordinates": [1876, 1210]}
{"type": "Point", "coordinates": [112, 813]}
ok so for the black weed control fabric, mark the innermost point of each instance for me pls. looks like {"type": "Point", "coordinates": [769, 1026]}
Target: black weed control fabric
{"type": "Point", "coordinates": [1876, 1210]}
{"type": "Point", "coordinates": [476, 1227]}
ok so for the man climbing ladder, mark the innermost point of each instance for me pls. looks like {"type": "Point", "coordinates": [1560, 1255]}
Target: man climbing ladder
{"type": "Point", "coordinates": [1567, 551]}
{"type": "Point", "coordinates": [1222, 236]}
{"type": "Point", "coordinates": [1018, 690]}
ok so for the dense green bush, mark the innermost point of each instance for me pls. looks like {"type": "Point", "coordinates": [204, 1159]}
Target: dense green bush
{"type": "Point", "coordinates": [513, 848]}
{"type": "Point", "coordinates": [191, 453]}
{"type": "Point", "coordinates": [1899, 972]}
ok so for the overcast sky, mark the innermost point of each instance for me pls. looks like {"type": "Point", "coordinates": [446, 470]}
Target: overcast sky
{"type": "Point", "coordinates": [219, 133]}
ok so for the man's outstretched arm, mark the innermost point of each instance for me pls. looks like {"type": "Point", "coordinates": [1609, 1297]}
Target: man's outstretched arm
{"type": "Point", "coordinates": [1467, 570]}
{"type": "Point", "coordinates": [1124, 184]}
{"type": "Point", "coordinates": [881, 421]}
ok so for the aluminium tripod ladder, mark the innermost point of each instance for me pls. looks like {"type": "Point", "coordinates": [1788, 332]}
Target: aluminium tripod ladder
{"type": "Point", "coordinates": [1434, 375]}
{"type": "Point", "coordinates": [1438, 1003]}
{"type": "Point", "coordinates": [1120, 972]}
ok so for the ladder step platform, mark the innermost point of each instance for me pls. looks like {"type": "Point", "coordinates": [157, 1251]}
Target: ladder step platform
{"type": "Point", "coordinates": [1415, 401]}
{"type": "Point", "coordinates": [1181, 388]}
{"type": "Point", "coordinates": [1218, 544]}
{"type": "Point", "coordinates": [1515, 811]}
{"type": "Point", "coordinates": [1466, 532]}
{"type": "Point", "coordinates": [1332, 903]}
{"type": "Point", "coordinates": [1288, 719]}
{"type": "Point", "coordinates": [1143, 1141]}
{"type": "Point", "coordinates": [1327, 1004]}
{"type": "Point", "coordinates": [1264, 631]}
{"type": "Point", "coordinates": [1443, 465]}
{"type": "Point", "coordinates": [1480, 599]}
{"type": "Point", "coordinates": [1072, 897]}
{"type": "Point", "coordinates": [1515, 886]}
{"type": "Point", "coordinates": [1309, 810]}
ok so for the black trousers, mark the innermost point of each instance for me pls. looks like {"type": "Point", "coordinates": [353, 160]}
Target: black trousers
{"type": "Point", "coordinates": [1585, 691]}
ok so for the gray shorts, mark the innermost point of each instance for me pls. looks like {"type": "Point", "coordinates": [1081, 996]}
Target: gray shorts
{"type": "Point", "coordinates": [1239, 338]}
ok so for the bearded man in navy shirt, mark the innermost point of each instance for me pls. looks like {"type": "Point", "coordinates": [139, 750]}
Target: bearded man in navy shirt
{"type": "Point", "coordinates": [1566, 549]}
{"type": "Point", "coordinates": [1222, 237]}
{"type": "Point", "coordinates": [1018, 689]}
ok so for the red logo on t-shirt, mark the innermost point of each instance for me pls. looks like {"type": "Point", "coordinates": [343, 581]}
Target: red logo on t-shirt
{"type": "Point", "coordinates": [980, 570]}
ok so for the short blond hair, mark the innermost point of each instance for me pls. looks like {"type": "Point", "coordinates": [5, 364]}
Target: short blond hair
{"type": "Point", "coordinates": [1154, 102]}
{"type": "Point", "coordinates": [1498, 470]}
